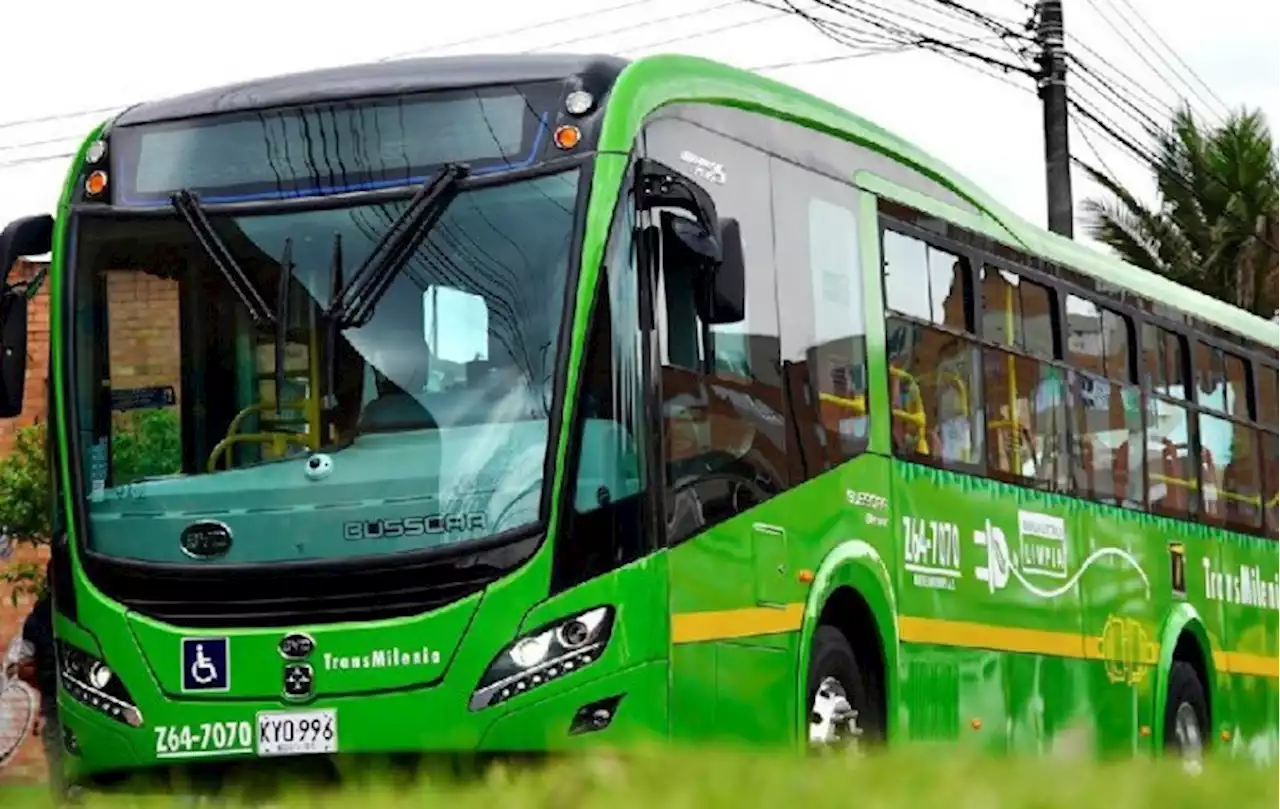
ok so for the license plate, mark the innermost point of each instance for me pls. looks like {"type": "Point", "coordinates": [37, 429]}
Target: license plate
{"type": "Point", "coordinates": [297, 733]}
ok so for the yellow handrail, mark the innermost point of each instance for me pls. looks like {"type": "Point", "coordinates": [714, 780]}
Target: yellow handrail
{"type": "Point", "coordinates": [309, 440]}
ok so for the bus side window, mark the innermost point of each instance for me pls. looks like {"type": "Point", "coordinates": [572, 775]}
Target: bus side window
{"type": "Point", "coordinates": [724, 432]}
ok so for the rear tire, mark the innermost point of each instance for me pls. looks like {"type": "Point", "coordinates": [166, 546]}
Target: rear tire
{"type": "Point", "coordinates": [1186, 716]}
{"type": "Point", "coordinates": [842, 710]}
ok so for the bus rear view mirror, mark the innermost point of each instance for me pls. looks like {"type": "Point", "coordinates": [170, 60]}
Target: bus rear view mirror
{"type": "Point", "coordinates": [723, 298]}
{"type": "Point", "coordinates": [29, 236]}
{"type": "Point", "coordinates": [13, 351]}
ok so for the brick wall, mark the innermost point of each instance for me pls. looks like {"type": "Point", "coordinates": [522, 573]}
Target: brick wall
{"type": "Point", "coordinates": [26, 764]}
{"type": "Point", "coordinates": [143, 335]}
{"type": "Point", "coordinates": [143, 330]}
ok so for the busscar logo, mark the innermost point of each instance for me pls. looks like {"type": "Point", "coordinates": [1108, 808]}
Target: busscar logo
{"type": "Point", "coordinates": [429, 525]}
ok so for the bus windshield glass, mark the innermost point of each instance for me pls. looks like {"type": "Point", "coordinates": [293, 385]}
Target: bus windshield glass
{"type": "Point", "coordinates": [424, 424]}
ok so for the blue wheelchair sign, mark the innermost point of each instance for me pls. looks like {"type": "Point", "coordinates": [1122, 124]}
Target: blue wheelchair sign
{"type": "Point", "coordinates": [206, 664]}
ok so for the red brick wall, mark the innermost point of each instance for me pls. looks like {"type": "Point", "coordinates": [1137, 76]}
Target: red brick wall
{"type": "Point", "coordinates": [27, 763]}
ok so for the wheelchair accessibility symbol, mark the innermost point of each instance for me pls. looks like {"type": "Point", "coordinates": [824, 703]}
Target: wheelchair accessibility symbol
{"type": "Point", "coordinates": [206, 664]}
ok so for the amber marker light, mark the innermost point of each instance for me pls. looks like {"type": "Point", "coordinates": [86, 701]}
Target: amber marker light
{"type": "Point", "coordinates": [96, 183]}
{"type": "Point", "coordinates": [567, 136]}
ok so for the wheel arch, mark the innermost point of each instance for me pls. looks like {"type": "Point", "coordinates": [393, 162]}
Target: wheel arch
{"type": "Point", "coordinates": [1184, 637]}
{"type": "Point", "coordinates": [853, 583]}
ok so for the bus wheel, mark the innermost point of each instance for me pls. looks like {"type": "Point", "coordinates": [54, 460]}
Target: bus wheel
{"type": "Point", "coordinates": [1186, 716]}
{"type": "Point", "coordinates": [838, 702]}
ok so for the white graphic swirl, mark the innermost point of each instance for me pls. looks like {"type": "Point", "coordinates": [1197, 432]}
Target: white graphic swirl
{"type": "Point", "coordinates": [1085, 565]}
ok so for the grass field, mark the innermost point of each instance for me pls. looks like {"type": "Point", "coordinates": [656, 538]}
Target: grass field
{"type": "Point", "coordinates": [921, 778]}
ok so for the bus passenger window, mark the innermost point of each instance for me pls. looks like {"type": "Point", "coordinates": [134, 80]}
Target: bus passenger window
{"type": "Point", "coordinates": [933, 393]}
{"type": "Point", "coordinates": [1026, 419]}
{"type": "Point", "coordinates": [1173, 487]}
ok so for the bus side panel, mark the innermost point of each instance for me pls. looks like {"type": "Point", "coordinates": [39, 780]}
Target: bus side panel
{"type": "Point", "coordinates": [1124, 579]}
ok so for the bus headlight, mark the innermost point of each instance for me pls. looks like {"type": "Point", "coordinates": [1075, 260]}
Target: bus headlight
{"type": "Point", "coordinates": [90, 681]}
{"type": "Point", "coordinates": [547, 654]}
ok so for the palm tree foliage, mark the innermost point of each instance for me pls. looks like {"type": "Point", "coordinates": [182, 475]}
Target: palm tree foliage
{"type": "Point", "coordinates": [1215, 227]}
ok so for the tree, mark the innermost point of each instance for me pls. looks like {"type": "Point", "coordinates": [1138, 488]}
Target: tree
{"type": "Point", "coordinates": [1215, 227]}
{"type": "Point", "coordinates": [24, 506]}
{"type": "Point", "coordinates": [143, 444]}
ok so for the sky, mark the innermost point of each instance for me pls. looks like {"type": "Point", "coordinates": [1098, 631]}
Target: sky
{"type": "Point", "coordinates": [61, 57]}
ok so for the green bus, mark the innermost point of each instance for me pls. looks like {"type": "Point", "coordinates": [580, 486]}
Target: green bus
{"type": "Point", "coordinates": [554, 401]}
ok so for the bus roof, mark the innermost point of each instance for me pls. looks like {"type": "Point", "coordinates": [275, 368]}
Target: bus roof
{"type": "Point", "coordinates": [671, 78]}
{"type": "Point", "coordinates": [390, 78]}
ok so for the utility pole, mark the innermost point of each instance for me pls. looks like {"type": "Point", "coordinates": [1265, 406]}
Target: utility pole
{"type": "Point", "coordinates": [1053, 98]}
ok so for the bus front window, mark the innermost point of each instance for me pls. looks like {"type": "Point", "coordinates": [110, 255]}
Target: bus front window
{"type": "Point", "coordinates": [424, 424]}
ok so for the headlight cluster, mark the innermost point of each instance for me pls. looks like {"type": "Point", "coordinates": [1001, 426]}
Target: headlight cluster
{"type": "Point", "coordinates": [547, 654]}
{"type": "Point", "coordinates": [90, 681]}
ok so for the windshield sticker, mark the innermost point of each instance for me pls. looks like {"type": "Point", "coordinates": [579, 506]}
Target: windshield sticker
{"type": "Point", "coordinates": [125, 399]}
{"type": "Point", "coordinates": [705, 169]}
{"type": "Point", "coordinates": [392, 658]}
{"type": "Point", "coordinates": [414, 526]}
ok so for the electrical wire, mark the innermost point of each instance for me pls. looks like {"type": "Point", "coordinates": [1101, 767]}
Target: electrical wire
{"type": "Point", "coordinates": [1133, 13]}
{"type": "Point", "coordinates": [684, 15]}
{"type": "Point", "coordinates": [577, 17]}
{"type": "Point", "coordinates": [1138, 52]}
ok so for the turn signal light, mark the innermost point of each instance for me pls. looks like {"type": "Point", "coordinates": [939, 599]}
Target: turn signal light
{"type": "Point", "coordinates": [96, 183]}
{"type": "Point", "coordinates": [567, 136]}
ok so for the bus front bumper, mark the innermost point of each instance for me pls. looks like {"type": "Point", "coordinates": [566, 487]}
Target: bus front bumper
{"type": "Point", "coordinates": [616, 708]}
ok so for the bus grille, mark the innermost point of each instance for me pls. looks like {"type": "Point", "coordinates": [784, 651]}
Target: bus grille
{"type": "Point", "coordinates": [284, 595]}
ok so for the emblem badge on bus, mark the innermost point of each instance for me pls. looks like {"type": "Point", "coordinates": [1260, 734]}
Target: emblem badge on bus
{"type": "Point", "coordinates": [296, 646]}
{"type": "Point", "coordinates": [299, 681]}
{"type": "Point", "coordinates": [205, 539]}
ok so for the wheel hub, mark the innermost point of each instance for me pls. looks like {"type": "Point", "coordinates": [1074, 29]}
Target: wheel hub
{"type": "Point", "coordinates": [832, 720]}
{"type": "Point", "coordinates": [1186, 729]}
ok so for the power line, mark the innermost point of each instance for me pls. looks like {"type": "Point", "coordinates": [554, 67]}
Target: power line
{"type": "Point", "coordinates": [578, 17]}
{"type": "Point", "coordinates": [62, 116]}
{"type": "Point", "coordinates": [22, 161]}
{"type": "Point", "coordinates": [702, 34]}
{"type": "Point", "coordinates": [1169, 48]}
{"type": "Point", "coordinates": [874, 51]}
{"type": "Point", "coordinates": [684, 15]}
{"type": "Point", "coordinates": [1138, 52]}
{"type": "Point", "coordinates": [1128, 23]}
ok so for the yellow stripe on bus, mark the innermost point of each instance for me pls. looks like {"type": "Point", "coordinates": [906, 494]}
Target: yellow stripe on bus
{"type": "Point", "coordinates": [699, 627]}
{"type": "Point", "coordinates": [988, 636]}
{"type": "Point", "coordinates": [694, 627]}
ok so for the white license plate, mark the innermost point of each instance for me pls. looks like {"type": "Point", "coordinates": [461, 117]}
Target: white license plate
{"type": "Point", "coordinates": [297, 733]}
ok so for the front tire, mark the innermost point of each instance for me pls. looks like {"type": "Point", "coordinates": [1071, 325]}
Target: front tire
{"type": "Point", "coordinates": [1186, 716]}
{"type": "Point", "coordinates": [841, 710]}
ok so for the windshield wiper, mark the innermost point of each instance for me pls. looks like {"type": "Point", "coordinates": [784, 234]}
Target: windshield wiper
{"type": "Point", "coordinates": [187, 204]}
{"type": "Point", "coordinates": [353, 305]}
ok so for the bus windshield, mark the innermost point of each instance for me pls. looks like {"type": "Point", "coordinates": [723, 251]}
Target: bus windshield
{"type": "Point", "coordinates": [424, 424]}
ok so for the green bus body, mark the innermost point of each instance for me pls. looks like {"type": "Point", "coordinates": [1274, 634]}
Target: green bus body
{"type": "Point", "coordinates": [998, 611]}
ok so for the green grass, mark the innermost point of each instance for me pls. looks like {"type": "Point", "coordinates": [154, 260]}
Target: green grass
{"type": "Point", "coordinates": [922, 778]}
